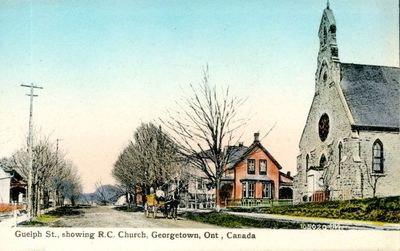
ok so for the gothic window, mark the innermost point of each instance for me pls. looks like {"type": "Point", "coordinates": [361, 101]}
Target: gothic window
{"type": "Point", "coordinates": [263, 166]}
{"type": "Point", "coordinates": [377, 157]}
{"type": "Point", "coordinates": [325, 36]}
{"type": "Point", "coordinates": [251, 166]}
{"type": "Point", "coordinates": [307, 159]}
{"type": "Point", "coordinates": [325, 77]}
{"type": "Point", "coordinates": [322, 161]}
{"type": "Point", "coordinates": [340, 155]}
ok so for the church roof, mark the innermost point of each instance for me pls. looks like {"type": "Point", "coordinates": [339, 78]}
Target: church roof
{"type": "Point", "coordinates": [372, 94]}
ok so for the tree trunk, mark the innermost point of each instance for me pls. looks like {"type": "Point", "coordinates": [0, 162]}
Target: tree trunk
{"type": "Point", "coordinates": [46, 198]}
{"type": "Point", "coordinates": [217, 202]}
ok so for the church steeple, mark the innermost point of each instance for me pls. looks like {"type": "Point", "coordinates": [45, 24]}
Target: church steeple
{"type": "Point", "coordinates": [328, 55]}
{"type": "Point", "coordinates": [327, 34]}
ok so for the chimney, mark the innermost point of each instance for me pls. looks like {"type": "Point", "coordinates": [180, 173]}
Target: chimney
{"type": "Point", "coordinates": [256, 137]}
{"type": "Point", "coordinates": [240, 143]}
{"type": "Point", "coordinates": [288, 173]}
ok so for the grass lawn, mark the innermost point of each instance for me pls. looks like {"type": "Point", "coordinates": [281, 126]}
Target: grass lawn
{"type": "Point", "coordinates": [45, 219]}
{"type": "Point", "coordinates": [372, 209]}
{"type": "Point", "coordinates": [233, 221]}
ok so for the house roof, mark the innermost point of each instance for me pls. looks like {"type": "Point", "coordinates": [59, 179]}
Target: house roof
{"type": "Point", "coordinates": [372, 94]}
{"type": "Point", "coordinates": [236, 153]}
{"type": "Point", "coordinates": [250, 149]}
{"type": "Point", "coordinates": [286, 175]}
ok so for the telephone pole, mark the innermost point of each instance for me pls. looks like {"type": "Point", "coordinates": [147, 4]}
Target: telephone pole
{"type": "Point", "coordinates": [57, 200]}
{"type": "Point", "coordinates": [30, 143]}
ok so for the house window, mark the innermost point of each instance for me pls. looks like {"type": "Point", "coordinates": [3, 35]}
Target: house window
{"type": "Point", "coordinates": [340, 156]}
{"type": "Point", "coordinates": [263, 166]}
{"type": "Point", "coordinates": [377, 157]}
{"type": "Point", "coordinates": [252, 189]}
{"type": "Point", "coordinates": [200, 184]}
{"type": "Point", "coordinates": [266, 190]}
{"type": "Point", "coordinates": [248, 189]}
{"type": "Point", "coordinates": [251, 166]}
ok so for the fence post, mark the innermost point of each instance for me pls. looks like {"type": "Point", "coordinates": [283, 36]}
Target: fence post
{"type": "Point", "coordinates": [15, 214]}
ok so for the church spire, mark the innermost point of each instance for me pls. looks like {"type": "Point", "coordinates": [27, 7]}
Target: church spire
{"type": "Point", "coordinates": [327, 4]}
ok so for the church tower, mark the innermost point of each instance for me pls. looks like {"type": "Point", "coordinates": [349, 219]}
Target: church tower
{"type": "Point", "coordinates": [328, 55]}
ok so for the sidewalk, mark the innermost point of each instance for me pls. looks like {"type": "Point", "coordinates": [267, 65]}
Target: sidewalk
{"type": "Point", "coordinates": [317, 223]}
{"type": "Point", "coordinates": [12, 220]}
{"type": "Point", "coordinates": [311, 222]}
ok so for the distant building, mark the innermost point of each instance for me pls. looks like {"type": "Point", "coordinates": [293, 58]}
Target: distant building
{"type": "Point", "coordinates": [350, 143]}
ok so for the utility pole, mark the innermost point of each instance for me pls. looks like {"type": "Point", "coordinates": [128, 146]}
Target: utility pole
{"type": "Point", "coordinates": [57, 201]}
{"type": "Point", "coordinates": [30, 143]}
{"type": "Point", "coordinates": [57, 140]}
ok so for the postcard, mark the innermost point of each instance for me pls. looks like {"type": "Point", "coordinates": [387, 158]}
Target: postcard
{"type": "Point", "coordinates": [201, 125]}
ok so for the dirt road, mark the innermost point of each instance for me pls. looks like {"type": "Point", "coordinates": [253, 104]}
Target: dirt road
{"type": "Point", "coordinates": [106, 216]}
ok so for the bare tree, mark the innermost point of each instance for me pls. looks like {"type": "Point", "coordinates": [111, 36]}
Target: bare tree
{"type": "Point", "coordinates": [203, 126]}
{"type": "Point", "coordinates": [71, 187]}
{"type": "Point", "coordinates": [371, 177]}
{"type": "Point", "coordinates": [50, 173]}
{"type": "Point", "coordinates": [107, 194]}
{"type": "Point", "coordinates": [150, 160]}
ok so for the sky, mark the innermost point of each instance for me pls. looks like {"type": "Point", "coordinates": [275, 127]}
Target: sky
{"type": "Point", "coordinates": [108, 66]}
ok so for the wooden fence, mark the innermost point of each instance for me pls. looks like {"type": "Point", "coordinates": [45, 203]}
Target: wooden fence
{"type": "Point", "coordinates": [256, 203]}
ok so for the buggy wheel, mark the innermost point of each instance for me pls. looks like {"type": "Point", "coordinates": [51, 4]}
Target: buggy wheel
{"type": "Point", "coordinates": [146, 210]}
{"type": "Point", "coordinates": [154, 212]}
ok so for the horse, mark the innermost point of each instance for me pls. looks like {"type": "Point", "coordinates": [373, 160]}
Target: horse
{"type": "Point", "coordinates": [171, 206]}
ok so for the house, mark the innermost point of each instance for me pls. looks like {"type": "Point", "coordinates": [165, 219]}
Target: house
{"type": "Point", "coordinates": [198, 193]}
{"type": "Point", "coordinates": [4, 186]}
{"type": "Point", "coordinates": [350, 144]}
{"type": "Point", "coordinates": [12, 185]}
{"type": "Point", "coordinates": [253, 173]}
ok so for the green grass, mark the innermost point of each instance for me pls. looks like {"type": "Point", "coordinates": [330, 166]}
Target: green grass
{"type": "Point", "coordinates": [42, 220]}
{"type": "Point", "coordinates": [45, 219]}
{"type": "Point", "coordinates": [233, 221]}
{"type": "Point", "coordinates": [65, 211]}
{"type": "Point", "coordinates": [372, 209]}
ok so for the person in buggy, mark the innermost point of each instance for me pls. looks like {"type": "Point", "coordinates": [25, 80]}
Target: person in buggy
{"type": "Point", "coordinates": [160, 195]}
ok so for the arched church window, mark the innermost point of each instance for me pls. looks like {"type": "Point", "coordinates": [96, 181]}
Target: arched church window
{"type": "Point", "coordinates": [340, 156]}
{"type": "Point", "coordinates": [325, 36]}
{"type": "Point", "coordinates": [322, 161]}
{"type": "Point", "coordinates": [377, 157]}
{"type": "Point", "coordinates": [307, 159]}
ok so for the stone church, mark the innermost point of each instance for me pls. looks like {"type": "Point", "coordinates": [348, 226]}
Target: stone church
{"type": "Point", "coordinates": [350, 145]}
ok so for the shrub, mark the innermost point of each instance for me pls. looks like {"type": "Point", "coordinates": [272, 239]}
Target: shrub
{"type": "Point", "coordinates": [372, 209]}
{"type": "Point", "coordinates": [6, 208]}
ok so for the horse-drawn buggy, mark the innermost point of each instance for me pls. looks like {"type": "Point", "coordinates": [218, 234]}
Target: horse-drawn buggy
{"type": "Point", "coordinates": [154, 204]}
